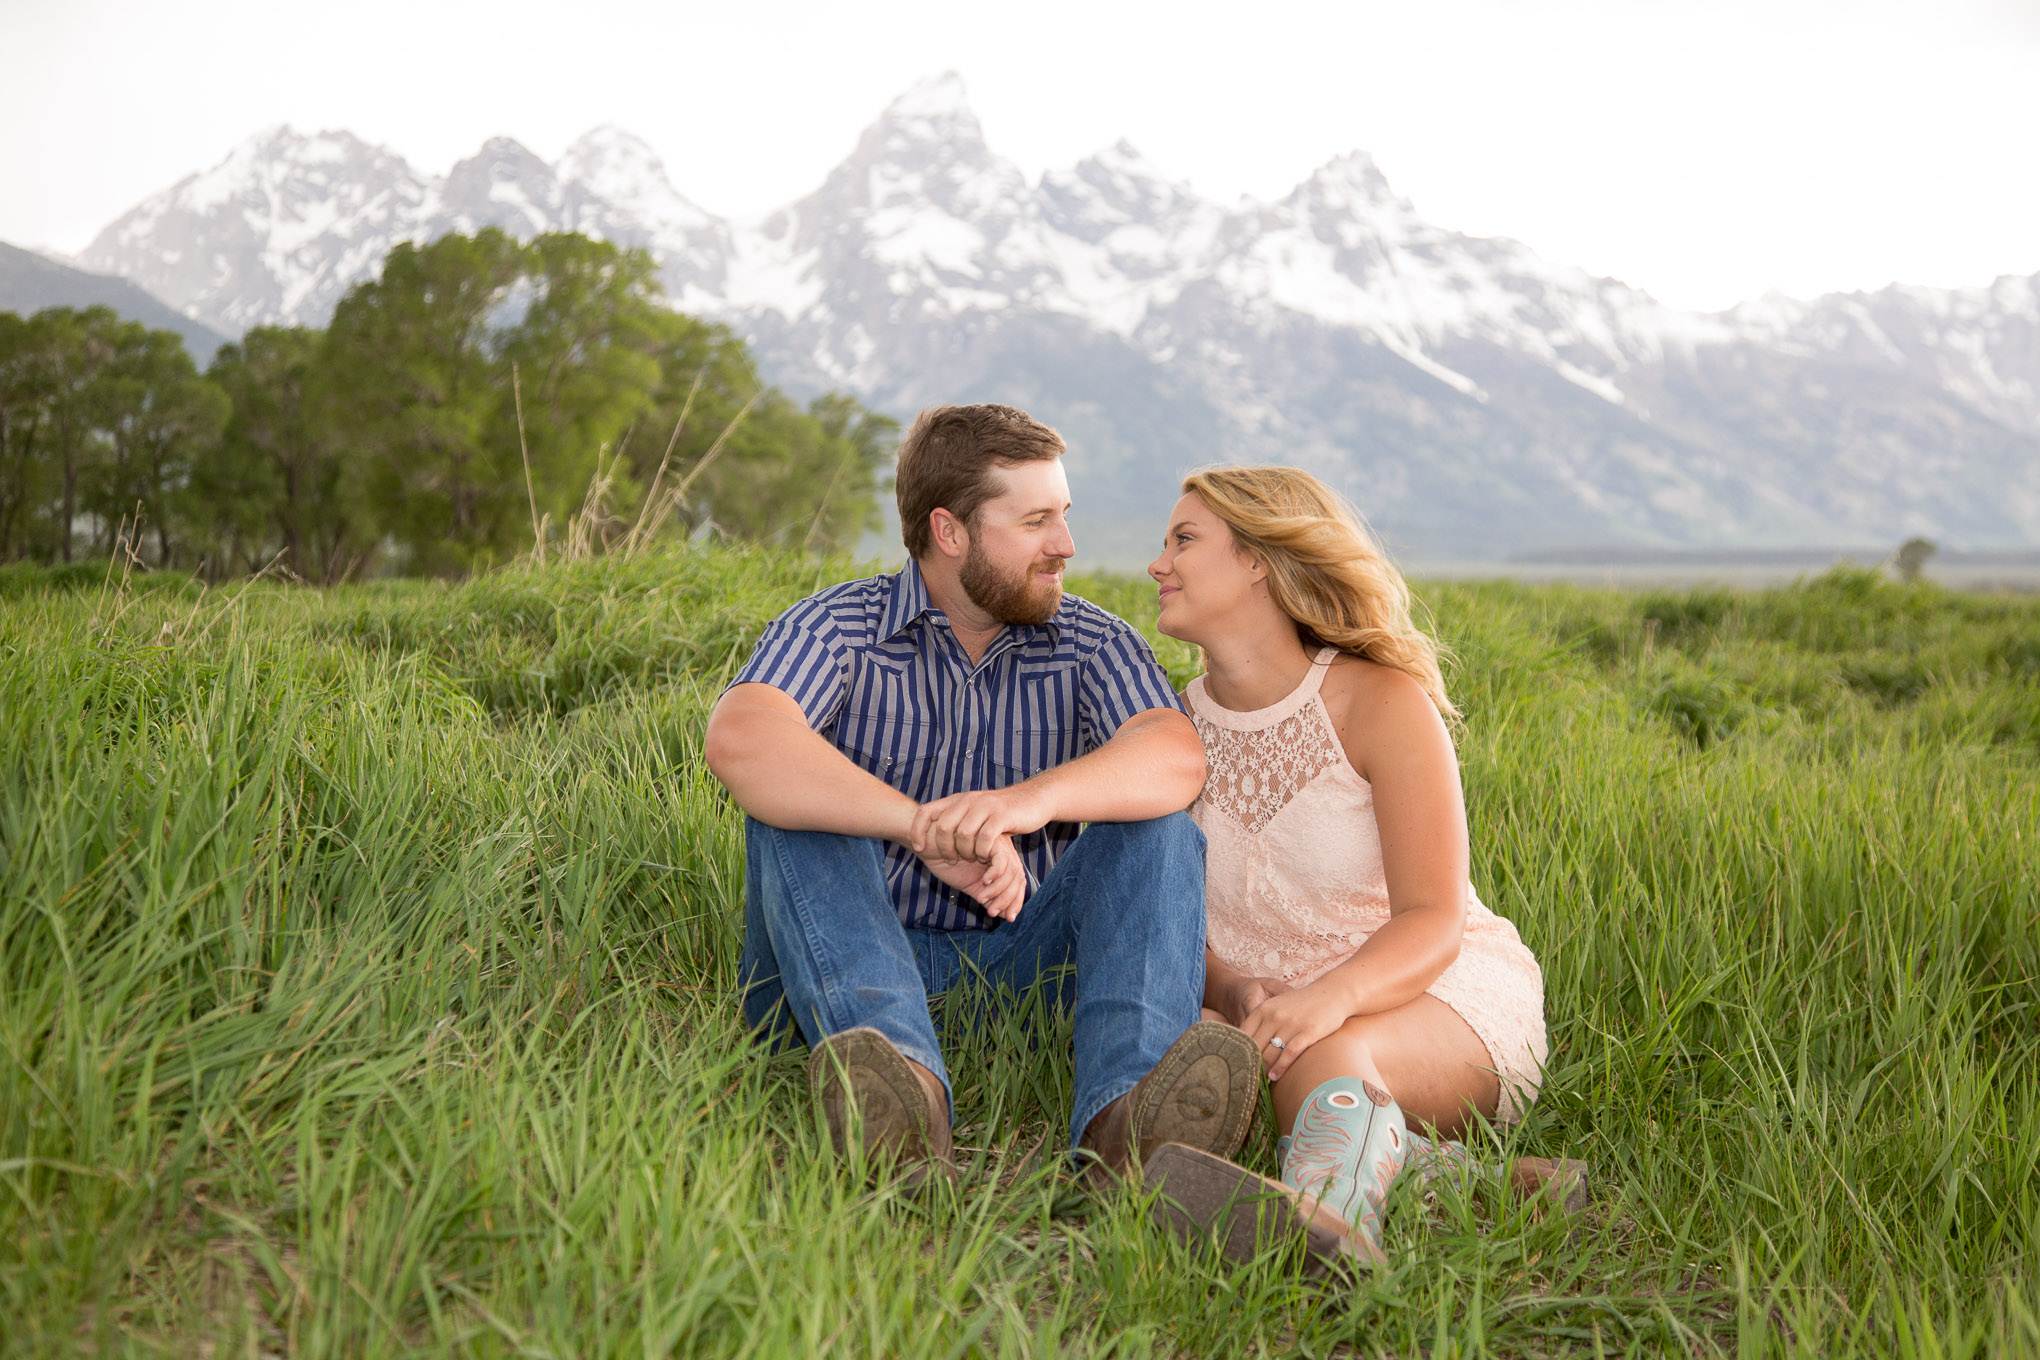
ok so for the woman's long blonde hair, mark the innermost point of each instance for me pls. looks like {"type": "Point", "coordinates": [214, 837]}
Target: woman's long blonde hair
{"type": "Point", "coordinates": [1324, 568]}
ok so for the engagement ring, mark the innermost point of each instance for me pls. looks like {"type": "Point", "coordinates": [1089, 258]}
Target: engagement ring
{"type": "Point", "coordinates": [1277, 1043]}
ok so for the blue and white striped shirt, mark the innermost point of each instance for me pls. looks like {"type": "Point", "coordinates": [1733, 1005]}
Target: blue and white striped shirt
{"type": "Point", "coordinates": [874, 666]}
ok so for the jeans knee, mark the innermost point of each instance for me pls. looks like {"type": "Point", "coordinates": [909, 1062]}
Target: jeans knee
{"type": "Point", "coordinates": [775, 855]}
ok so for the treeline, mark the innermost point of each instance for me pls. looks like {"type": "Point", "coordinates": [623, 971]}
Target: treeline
{"type": "Point", "coordinates": [481, 398]}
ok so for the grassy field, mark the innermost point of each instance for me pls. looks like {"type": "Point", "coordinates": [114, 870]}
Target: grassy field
{"type": "Point", "coordinates": [365, 962]}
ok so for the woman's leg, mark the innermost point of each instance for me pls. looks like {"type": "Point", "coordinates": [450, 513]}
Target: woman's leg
{"type": "Point", "coordinates": [1422, 1054]}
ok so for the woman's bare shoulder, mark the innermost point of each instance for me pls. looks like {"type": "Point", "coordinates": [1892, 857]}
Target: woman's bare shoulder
{"type": "Point", "coordinates": [1367, 689]}
{"type": "Point", "coordinates": [1376, 709]}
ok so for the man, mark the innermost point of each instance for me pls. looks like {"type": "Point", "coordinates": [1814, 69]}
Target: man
{"type": "Point", "coordinates": [915, 753]}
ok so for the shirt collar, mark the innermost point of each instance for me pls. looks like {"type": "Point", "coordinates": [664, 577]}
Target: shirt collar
{"type": "Point", "coordinates": [909, 602]}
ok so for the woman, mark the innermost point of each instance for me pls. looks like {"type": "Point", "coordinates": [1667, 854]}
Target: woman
{"type": "Point", "coordinates": [1344, 936]}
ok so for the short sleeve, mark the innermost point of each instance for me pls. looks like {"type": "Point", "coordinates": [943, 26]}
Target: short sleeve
{"type": "Point", "coordinates": [804, 653]}
{"type": "Point", "coordinates": [1118, 680]}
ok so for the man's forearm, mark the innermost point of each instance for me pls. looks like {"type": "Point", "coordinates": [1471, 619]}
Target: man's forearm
{"type": "Point", "coordinates": [780, 771]}
{"type": "Point", "coordinates": [1153, 766]}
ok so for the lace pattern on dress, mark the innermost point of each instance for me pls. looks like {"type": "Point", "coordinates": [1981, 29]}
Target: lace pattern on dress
{"type": "Point", "coordinates": [1253, 775]}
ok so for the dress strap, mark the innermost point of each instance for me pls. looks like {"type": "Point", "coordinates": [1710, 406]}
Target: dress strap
{"type": "Point", "coordinates": [1320, 667]}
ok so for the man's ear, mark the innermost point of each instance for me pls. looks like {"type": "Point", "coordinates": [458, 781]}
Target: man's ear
{"type": "Point", "coordinates": [950, 536]}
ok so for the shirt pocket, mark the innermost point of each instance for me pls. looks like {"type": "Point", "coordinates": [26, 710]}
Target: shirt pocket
{"type": "Point", "coordinates": [1045, 729]}
{"type": "Point", "coordinates": [1042, 732]}
{"type": "Point", "coordinates": [884, 734]}
{"type": "Point", "coordinates": [894, 751]}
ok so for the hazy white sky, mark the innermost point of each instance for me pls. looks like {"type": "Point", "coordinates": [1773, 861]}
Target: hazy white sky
{"type": "Point", "coordinates": [1706, 151]}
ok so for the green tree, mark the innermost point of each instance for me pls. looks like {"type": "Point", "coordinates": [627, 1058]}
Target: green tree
{"type": "Point", "coordinates": [274, 481]}
{"type": "Point", "coordinates": [586, 350]}
{"type": "Point", "coordinates": [418, 386]}
{"type": "Point", "coordinates": [705, 374]}
{"type": "Point", "coordinates": [155, 419]}
{"type": "Point", "coordinates": [1911, 558]}
{"type": "Point", "coordinates": [474, 388]}
{"type": "Point", "coordinates": [26, 479]}
{"type": "Point", "coordinates": [859, 448]}
{"type": "Point", "coordinates": [803, 477]}
{"type": "Point", "coordinates": [432, 364]}
{"type": "Point", "coordinates": [71, 350]}
{"type": "Point", "coordinates": [98, 416]}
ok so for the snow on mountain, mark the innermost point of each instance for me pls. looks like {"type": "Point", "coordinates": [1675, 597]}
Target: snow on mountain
{"type": "Point", "coordinates": [1468, 390]}
{"type": "Point", "coordinates": [277, 231]}
{"type": "Point", "coordinates": [625, 183]}
{"type": "Point", "coordinates": [502, 185]}
{"type": "Point", "coordinates": [1980, 345]}
{"type": "Point", "coordinates": [617, 190]}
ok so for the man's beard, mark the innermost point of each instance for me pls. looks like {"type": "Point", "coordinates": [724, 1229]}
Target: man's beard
{"type": "Point", "coordinates": [1016, 599]}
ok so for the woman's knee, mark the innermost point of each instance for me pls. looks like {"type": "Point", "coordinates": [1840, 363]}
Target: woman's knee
{"type": "Point", "coordinates": [1427, 1058]}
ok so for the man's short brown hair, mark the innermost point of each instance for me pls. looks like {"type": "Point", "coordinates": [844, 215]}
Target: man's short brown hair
{"type": "Point", "coordinates": [947, 458]}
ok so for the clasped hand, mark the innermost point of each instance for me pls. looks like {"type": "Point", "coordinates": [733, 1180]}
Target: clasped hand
{"type": "Point", "coordinates": [966, 840]}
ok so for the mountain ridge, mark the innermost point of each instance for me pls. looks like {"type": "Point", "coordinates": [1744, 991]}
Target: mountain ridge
{"type": "Point", "coordinates": [1462, 389]}
{"type": "Point", "coordinates": [31, 281]}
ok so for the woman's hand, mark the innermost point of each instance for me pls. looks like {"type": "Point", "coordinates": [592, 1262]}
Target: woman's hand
{"type": "Point", "coordinates": [1299, 1019]}
{"type": "Point", "coordinates": [1244, 994]}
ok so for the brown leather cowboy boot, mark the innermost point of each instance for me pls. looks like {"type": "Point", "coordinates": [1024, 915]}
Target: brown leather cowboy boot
{"type": "Point", "coordinates": [871, 1094]}
{"type": "Point", "coordinates": [1201, 1094]}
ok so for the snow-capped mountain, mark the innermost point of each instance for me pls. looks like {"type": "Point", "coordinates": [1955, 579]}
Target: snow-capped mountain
{"type": "Point", "coordinates": [1472, 396]}
{"type": "Point", "coordinates": [278, 231]}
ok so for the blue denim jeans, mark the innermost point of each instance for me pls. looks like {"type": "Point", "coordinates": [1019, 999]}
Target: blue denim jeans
{"type": "Point", "coordinates": [824, 947]}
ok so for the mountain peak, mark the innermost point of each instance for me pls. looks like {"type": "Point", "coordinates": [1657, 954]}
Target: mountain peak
{"type": "Point", "coordinates": [505, 185]}
{"type": "Point", "coordinates": [1114, 188]}
{"type": "Point", "coordinates": [1354, 170]}
{"type": "Point", "coordinates": [937, 96]}
{"type": "Point", "coordinates": [501, 149]}
{"type": "Point", "coordinates": [925, 149]}
{"type": "Point", "coordinates": [621, 169]}
{"type": "Point", "coordinates": [610, 140]}
{"type": "Point", "coordinates": [281, 142]}
{"type": "Point", "coordinates": [262, 159]}
{"type": "Point", "coordinates": [1350, 197]}
{"type": "Point", "coordinates": [609, 159]}
{"type": "Point", "coordinates": [935, 111]}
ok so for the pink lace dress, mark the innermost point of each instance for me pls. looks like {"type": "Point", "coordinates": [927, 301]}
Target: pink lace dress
{"type": "Point", "coordinates": [1295, 883]}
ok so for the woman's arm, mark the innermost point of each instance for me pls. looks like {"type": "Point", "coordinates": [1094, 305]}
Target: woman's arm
{"type": "Point", "coordinates": [1396, 740]}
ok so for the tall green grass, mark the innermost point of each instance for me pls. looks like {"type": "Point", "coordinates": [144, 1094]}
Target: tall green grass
{"type": "Point", "coordinates": [365, 969]}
